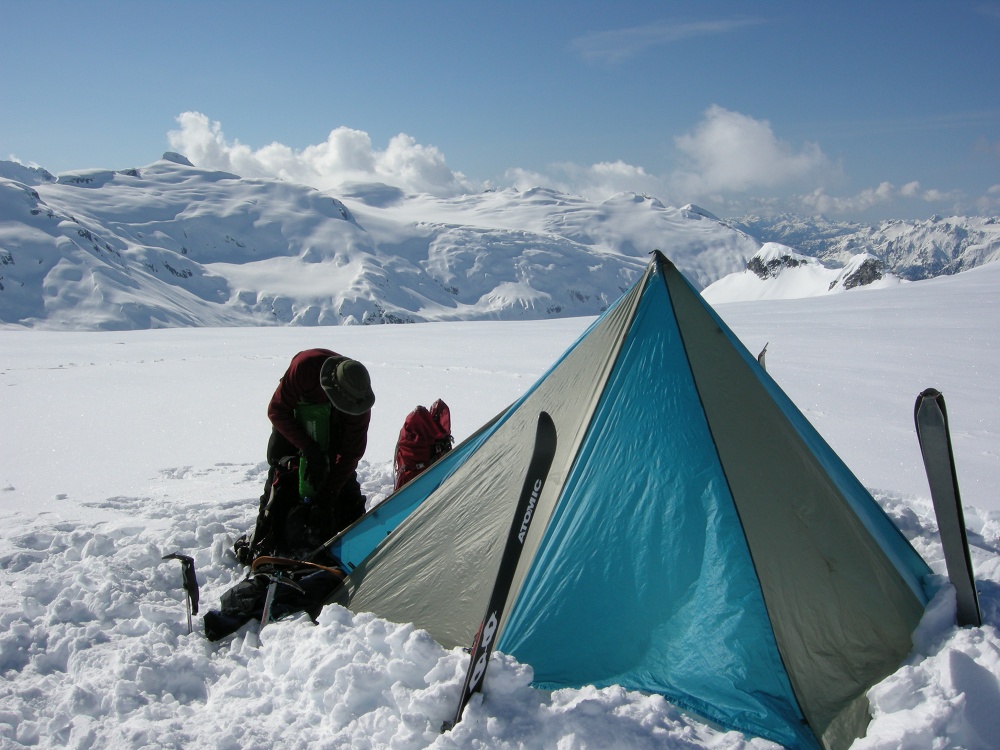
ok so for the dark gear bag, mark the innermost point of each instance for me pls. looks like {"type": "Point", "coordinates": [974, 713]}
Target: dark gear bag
{"type": "Point", "coordinates": [275, 526]}
{"type": "Point", "coordinates": [424, 437]}
{"type": "Point", "coordinates": [245, 601]}
{"type": "Point", "coordinates": [292, 526]}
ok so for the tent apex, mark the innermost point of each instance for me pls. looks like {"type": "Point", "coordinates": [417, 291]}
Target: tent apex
{"type": "Point", "coordinates": [662, 261]}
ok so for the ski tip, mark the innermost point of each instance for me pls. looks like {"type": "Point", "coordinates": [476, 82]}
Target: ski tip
{"type": "Point", "coordinates": [928, 399]}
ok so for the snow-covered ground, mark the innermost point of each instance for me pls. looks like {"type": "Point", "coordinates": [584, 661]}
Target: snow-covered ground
{"type": "Point", "coordinates": [121, 447]}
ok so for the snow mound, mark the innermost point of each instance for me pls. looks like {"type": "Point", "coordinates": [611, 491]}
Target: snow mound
{"type": "Point", "coordinates": [95, 652]}
{"type": "Point", "coordinates": [861, 270]}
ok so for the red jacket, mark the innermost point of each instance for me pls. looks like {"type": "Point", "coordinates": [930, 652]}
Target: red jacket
{"type": "Point", "coordinates": [348, 433]}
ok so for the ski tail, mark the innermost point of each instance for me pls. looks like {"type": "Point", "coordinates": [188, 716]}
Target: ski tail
{"type": "Point", "coordinates": [542, 456]}
{"type": "Point", "coordinates": [934, 436]}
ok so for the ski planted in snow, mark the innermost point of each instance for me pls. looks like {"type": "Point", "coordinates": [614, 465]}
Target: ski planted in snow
{"type": "Point", "coordinates": [934, 436]}
{"type": "Point", "coordinates": [543, 453]}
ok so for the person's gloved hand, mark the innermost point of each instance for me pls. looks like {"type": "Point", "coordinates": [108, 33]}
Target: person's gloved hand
{"type": "Point", "coordinates": [317, 468]}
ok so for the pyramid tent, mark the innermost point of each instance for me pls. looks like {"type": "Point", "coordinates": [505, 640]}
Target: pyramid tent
{"type": "Point", "coordinates": [695, 537]}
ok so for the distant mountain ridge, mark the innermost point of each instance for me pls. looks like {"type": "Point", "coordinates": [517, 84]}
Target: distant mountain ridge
{"type": "Point", "coordinates": [912, 250]}
{"type": "Point", "coordinates": [779, 272]}
{"type": "Point", "coordinates": [171, 244]}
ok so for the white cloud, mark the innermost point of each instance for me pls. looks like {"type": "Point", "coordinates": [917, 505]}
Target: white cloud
{"type": "Point", "coordinates": [346, 155]}
{"type": "Point", "coordinates": [732, 152]}
{"type": "Point", "coordinates": [988, 204]}
{"type": "Point", "coordinates": [819, 201]}
{"type": "Point", "coordinates": [619, 44]}
{"type": "Point", "coordinates": [731, 163]}
{"type": "Point", "coordinates": [936, 196]}
{"type": "Point", "coordinates": [596, 182]}
{"type": "Point", "coordinates": [727, 153]}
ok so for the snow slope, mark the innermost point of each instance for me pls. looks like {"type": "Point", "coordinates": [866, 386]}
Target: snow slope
{"type": "Point", "coordinates": [120, 447]}
{"type": "Point", "coordinates": [173, 245]}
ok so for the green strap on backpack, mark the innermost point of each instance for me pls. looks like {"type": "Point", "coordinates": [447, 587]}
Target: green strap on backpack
{"type": "Point", "coordinates": [315, 420]}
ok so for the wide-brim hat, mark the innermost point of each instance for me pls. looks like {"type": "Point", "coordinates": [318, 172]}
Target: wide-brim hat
{"type": "Point", "coordinates": [347, 385]}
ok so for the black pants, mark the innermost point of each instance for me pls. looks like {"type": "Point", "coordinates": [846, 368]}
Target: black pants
{"type": "Point", "coordinates": [326, 515]}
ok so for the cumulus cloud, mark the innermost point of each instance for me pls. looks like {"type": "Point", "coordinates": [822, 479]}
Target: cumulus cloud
{"type": "Point", "coordinates": [820, 202]}
{"type": "Point", "coordinates": [346, 155]}
{"type": "Point", "coordinates": [732, 152]}
{"type": "Point", "coordinates": [736, 164]}
{"type": "Point", "coordinates": [730, 162]}
{"type": "Point", "coordinates": [726, 155]}
{"type": "Point", "coordinates": [885, 194]}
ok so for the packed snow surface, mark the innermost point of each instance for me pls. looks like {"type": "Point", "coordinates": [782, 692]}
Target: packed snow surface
{"type": "Point", "coordinates": [122, 447]}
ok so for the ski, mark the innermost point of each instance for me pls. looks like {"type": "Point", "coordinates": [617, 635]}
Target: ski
{"type": "Point", "coordinates": [931, 418]}
{"type": "Point", "coordinates": [538, 469]}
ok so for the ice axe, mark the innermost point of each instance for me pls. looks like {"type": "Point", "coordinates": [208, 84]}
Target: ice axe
{"type": "Point", "coordinates": [190, 583]}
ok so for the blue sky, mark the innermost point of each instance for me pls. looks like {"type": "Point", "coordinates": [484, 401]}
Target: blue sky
{"type": "Point", "coordinates": [861, 110]}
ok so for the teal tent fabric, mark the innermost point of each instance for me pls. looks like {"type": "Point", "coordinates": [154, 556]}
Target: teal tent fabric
{"type": "Point", "coordinates": [692, 566]}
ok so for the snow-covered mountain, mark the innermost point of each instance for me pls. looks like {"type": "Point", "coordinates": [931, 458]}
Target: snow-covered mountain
{"type": "Point", "coordinates": [173, 245]}
{"type": "Point", "coordinates": [911, 250]}
{"type": "Point", "coordinates": [777, 271]}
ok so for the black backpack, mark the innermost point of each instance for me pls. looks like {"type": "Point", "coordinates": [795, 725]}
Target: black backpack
{"type": "Point", "coordinates": [288, 525]}
{"type": "Point", "coordinates": [283, 522]}
{"type": "Point", "coordinates": [303, 588]}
